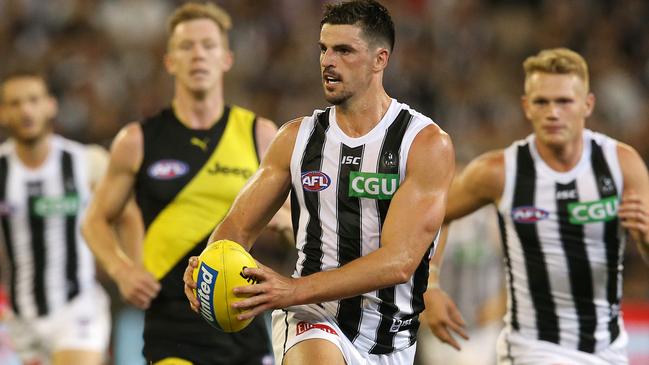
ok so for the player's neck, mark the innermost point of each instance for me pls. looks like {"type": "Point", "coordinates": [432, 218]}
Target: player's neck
{"type": "Point", "coordinates": [357, 116]}
{"type": "Point", "coordinates": [561, 158]}
{"type": "Point", "coordinates": [33, 154]}
{"type": "Point", "coordinates": [198, 112]}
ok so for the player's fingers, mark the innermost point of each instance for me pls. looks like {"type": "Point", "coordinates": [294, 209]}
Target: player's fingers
{"type": "Point", "coordinates": [458, 329]}
{"type": "Point", "coordinates": [445, 336]}
{"type": "Point", "coordinates": [455, 315]}
{"type": "Point", "coordinates": [252, 312]}
{"type": "Point", "coordinates": [189, 293]}
{"type": "Point", "coordinates": [257, 273]}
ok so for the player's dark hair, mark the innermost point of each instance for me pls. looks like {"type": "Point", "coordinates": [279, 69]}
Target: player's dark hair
{"type": "Point", "coordinates": [373, 18]}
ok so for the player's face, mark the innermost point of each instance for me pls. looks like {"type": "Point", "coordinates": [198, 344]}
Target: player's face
{"type": "Point", "coordinates": [557, 105]}
{"type": "Point", "coordinates": [345, 62]}
{"type": "Point", "coordinates": [27, 108]}
{"type": "Point", "coordinates": [198, 55]}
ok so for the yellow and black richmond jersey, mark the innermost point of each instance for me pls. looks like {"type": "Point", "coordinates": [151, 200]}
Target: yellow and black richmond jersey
{"type": "Point", "coordinates": [185, 186]}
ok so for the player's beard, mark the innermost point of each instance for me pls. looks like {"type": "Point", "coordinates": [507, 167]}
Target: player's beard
{"type": "Point", "coordinates": [338, 98]}
{"type": "Point", "coordinates": [34, 138]}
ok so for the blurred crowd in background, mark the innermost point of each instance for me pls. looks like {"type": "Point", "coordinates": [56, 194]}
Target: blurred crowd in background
{"type": "Point", "coordinates": [457, 61]}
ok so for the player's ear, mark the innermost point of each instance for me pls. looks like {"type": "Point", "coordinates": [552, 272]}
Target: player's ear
{"type": "Point", "coordinates": [381, 58]}
{"type": "Point", "coordinates": [228, 60]}
{"type": "Point", "coordinates": [590, 104]}
{"type": "Point", "coordinates": [525, 105]}
{"type": "Point", "coordinates": [170, 64]}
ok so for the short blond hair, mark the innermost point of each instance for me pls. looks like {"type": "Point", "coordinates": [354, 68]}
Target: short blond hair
{"type": "Point", "coordinates": [194, 10]}
{"type": "Point", "coordinates": [557, 61]}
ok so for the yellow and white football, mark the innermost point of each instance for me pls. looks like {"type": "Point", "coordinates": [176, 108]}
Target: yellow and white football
{"type": "Point", "coordinates": [219, 271]}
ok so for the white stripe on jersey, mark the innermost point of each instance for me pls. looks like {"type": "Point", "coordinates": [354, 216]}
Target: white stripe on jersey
{"type": "Point", "coordinates": [50, 178]}
{"type": "Point", "coordinates": [331, 162]}
{"type": "Point", "coordinates": [554, 254]}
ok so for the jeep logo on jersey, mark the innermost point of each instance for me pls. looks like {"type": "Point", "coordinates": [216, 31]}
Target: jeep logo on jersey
{"type": "Point", "coordinates": [167, 169]}
{"type": "Point", "coordinates": [48, 206]}
{"type": "Point", "coordinates": [373, 185]}
{"type": "Point", "coordinates": [315, 180]}
{"type": "Point", "coordinates": [528, 214]}
{"type": "Point", "coordinates": [596, 211]}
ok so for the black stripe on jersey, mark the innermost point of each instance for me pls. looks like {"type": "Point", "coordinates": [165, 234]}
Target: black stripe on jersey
{"type": "Point", "coordinates": [37, 230]}
{"type": "Point", "coordinates": [388, 163]}
{"type": "Point", "coordinates": [510, 274]}
{"type": "Point", "coordinates": [538, 279]}
{"type": "Point", "coordinates": [71, 262]}
{"type": "Point", "coordinates": [254, 139]}
{"type": "Point", "coordinates": [579, 271]}
{"type": "Point", "coordinates": [6, 230]}
{"type": "Point", "coordinates": [350, 310]}
{"type": "Point", "coordinates": [606, 187]}
{"type": "Point", "coordinates": [419, 285]}
{"type": "Point", "coordinates": [312, 161]}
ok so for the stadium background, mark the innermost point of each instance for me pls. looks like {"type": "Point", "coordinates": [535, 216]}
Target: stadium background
{"type": "Point", "coordinates": [457, 61]}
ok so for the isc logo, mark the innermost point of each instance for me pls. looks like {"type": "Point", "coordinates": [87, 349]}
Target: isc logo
{"type": "Point", "coordinates": [350, 160]}
{"type": "Point", "coordinates": [315, 181]}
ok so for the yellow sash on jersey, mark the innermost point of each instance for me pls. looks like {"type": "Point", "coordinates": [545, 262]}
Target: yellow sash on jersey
{"type": "Point", "coordinates": [205, 200]}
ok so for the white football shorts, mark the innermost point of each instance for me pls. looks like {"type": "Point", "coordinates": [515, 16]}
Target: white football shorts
{"type": "Point", "coordinates": [303, 322]}
{"type": "Point", "coordinates": [516, 349]}
{"type": "Point", "coordinates": [83, 325]}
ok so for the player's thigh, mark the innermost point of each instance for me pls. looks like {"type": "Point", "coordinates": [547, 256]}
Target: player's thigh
{"type": "Point", "coordinates": [77, 357]}
{"type": "Point", "coordinates": [314, 352]}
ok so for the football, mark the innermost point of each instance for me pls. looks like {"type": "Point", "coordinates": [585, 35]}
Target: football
{"type": "Point", "coordinates": [219, 271]}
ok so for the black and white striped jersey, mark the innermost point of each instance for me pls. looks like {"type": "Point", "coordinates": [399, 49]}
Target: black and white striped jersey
{"type": "Point", "coordinates": [341, 192]}
{"type": "Point", "coordinates": [563, 245]}
{"type": "Point", "coordinates": [45, 262]}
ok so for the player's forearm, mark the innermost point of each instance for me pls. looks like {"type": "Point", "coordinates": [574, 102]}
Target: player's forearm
{"type": "Point", "coordinates": [643, 247]}
{"type": "Point", "coordinates": [102, 240]}
{"type": "Point", "coordinates": [380, 269]}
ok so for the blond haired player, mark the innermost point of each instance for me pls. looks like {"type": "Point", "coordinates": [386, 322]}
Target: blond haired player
{"type": "Point", "coordinates": [568, 198]}
{"type": "Point", "coordinates": [185, 166]}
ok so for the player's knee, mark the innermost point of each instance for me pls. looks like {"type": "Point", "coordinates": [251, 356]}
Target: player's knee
{"type": "Point", "coordinates": [314, 351]}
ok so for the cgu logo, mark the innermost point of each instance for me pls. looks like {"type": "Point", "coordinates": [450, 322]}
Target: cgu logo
{"type": "Point", "coordinates": [528, 214]}
{"type": "Point", "coordinates": [373, 185]}
{"type": "Point", "coordinates": [315, 181]}
{"type": "Point", "coordinates": [167, 169]}
{"type": "Point", "coordinates": [596, 211]}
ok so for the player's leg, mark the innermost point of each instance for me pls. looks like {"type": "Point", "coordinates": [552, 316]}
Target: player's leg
{"type": "Point", "coordinates": [314, 351]}
{"type": "Point", "coordinates": [81, 332]}
{"type": "Point", "coordinates": [79, 357]}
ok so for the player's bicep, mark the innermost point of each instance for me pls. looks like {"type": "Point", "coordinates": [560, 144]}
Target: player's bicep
{"type": "Point", "coordinates": [479, 184]}
{"type": "Point", "coordinates": [417, 208]}
{"type": "Point", "coordinates": [115, 188]}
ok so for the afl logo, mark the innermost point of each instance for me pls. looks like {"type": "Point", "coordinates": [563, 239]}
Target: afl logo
{"type": "Point", "coordinates": [167, 169]}
{"type": "Point", "coordinates": [315, 181]}
{"type": "Point", "coordinates": [528, 214]}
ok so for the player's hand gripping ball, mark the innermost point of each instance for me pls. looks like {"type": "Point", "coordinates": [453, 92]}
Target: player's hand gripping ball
{"type": "Point", "coordinates": [220, 269]}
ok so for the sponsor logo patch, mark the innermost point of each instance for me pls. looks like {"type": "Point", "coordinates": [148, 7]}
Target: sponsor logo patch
{"type": "Point", "coordinates": [302, 327]}
{"type": "Point", "coordinates": [373, 185]}
{"type": "Point", "coordinates": [315, 181]}
{"type": "Point", "coordinates": [205, 291]}
{"type": "Point", "coordinates": [594, 211]}
{"type": "Point", "coordinates": [167, 169]}
{"type": "Point", "coordinates": [528, 214]}
{"type": "Point", "coordinates": [6, 209]}
{"type": "Point", "coordinates": [48, 206]}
